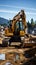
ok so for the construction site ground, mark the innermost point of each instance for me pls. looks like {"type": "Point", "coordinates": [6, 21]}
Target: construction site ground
{"type": "Point", "coordinates": [16, 56]}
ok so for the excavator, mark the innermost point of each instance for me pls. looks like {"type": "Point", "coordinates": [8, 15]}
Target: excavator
{"type": "Point", "coordinates": [17, 30]}
{"type": "Point", "coordinates": [17, 25]}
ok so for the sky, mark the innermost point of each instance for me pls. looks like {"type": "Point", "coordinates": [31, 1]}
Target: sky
{"type": "Point", "coordinates": [9, 8]}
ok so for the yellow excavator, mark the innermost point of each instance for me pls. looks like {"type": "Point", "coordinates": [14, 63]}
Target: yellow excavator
{"type": "Point", "coordinates": [18, 25]}
{"type": "Point", "coordinates": [17, 30]}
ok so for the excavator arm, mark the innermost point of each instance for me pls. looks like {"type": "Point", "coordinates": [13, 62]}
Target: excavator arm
{"type": "Point", "coordinates": [20, 15]}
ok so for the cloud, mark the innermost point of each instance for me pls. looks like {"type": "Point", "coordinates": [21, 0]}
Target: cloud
{"type": "Point", "coordinates": [8, 11]}
{"type": "Point", "coordinates": [27, 10]}
{"type": "Point", "coordinates": [19, 7]}
{"type": "Point", "coordinates": [15, 12]}
{"type": "Point", "coordinates": [30, 13]}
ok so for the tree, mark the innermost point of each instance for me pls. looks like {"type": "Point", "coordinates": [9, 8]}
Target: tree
{"type": "Point", "coordinates": [29, 25]}
{"type": "Point", "coordinates": [32, 23]}
{"type": "Point", "coordinates": [35, 22]}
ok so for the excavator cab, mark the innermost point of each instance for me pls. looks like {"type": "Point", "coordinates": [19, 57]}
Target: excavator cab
{"type": "Point", "coordinates": [19, 28]}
